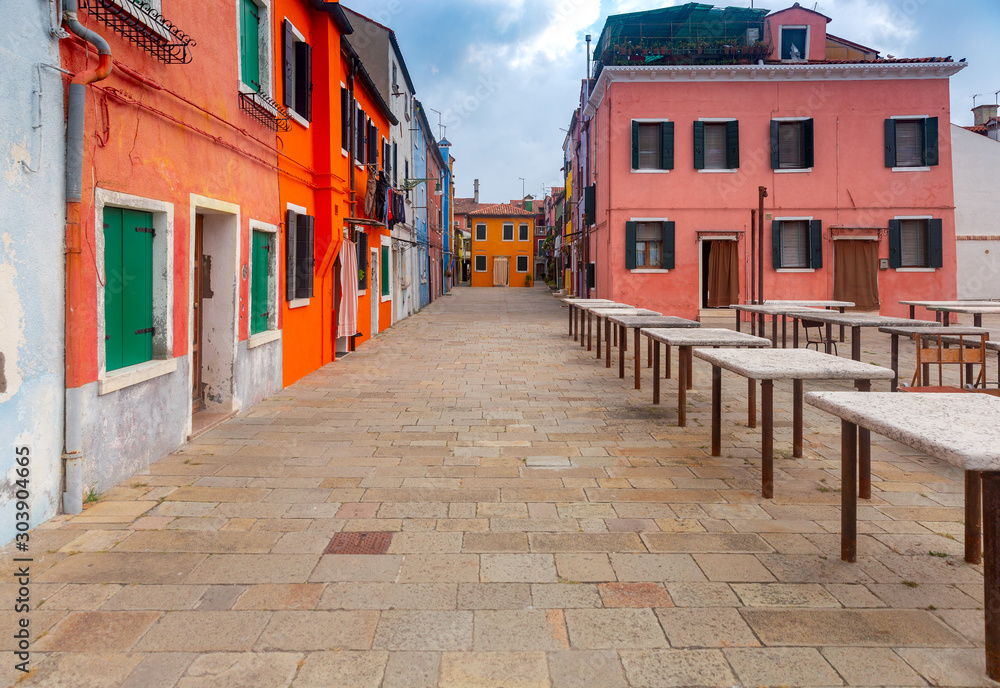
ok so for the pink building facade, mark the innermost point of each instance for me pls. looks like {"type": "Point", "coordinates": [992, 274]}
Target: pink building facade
{"type": "Point", "coordinates": [855, 157]}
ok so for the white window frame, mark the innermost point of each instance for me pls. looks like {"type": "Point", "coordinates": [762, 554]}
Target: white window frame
{"type": "Point", "coordinates": [265, 31]}
{"type": "Point", "coordinates": [163, 361]}
{"type": "Point", "coordinates": [809, 248]}
{"type": "Point", "coordinates": [650, 271]}
{"type": "Point", "coordinates": [527, 262]}
{"type": "Point", "coordinates": [386, 244]}
{"type": "Point", "coordinates": [647, 120]}
{"type": "Point", "coordinates": [299, 38]}
{"type": "Point", "coordinates": [483, 225]}
{"type": "Point", "coordinates": [503, 231]}
{"type": "Point", "coordinates": [476, 258]}
{"type": "Point", "coordinates": [527, 231]}
{"type": "Point", "coordinates": [343, 151]}
{"type": "Point", "coordinates": [781, 41]}
{"type": "Point", "coordinates": [272, 333]}
{"type": "Point", "coordinates": [298, 210]}
{"type": "Point", "coordinates": [914, 217]}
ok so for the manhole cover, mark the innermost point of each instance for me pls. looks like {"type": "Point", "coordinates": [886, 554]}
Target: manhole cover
{"type": "Point", "coordinates": [359, 543]}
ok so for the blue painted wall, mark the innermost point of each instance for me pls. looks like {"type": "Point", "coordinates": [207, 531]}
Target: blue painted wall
{"type": "Point", "coordinates": [420, 222]}
{"type": "Point", "coordinates": [446, 221]}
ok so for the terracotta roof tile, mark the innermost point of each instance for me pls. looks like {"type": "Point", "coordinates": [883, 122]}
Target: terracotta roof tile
{"type": "Point", "coordinates": [501, 210]}
{"type": "Point", "coordinates": [464, 206]}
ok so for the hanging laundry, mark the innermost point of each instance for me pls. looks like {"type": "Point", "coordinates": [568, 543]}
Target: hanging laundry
{"type": "Point", "coordinates": [379, 197]}
{"type": "Point", "coordinates": [370, 195]}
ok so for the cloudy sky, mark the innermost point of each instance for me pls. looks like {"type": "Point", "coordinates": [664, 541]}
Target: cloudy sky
{"type": "Point", "coordinates": [505, 74]}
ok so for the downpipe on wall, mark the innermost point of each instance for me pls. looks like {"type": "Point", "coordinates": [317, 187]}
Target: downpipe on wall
{"type": "Point", "coordinates": [74, 318]}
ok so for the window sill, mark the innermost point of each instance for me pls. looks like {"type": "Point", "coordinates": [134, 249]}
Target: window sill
{"type": "Point", "coordinates": [915, 269]}
{"type": "Point", "coordinates": [650, 171]}
{"type": "Point", "coordinates": [911, 169]}
{"type": "Point", "coordinates": [344, 153]}
{"type": "Point", "coordinates": [386, 297]}
{"type": "Point", "coordinates": [796, 270]}
{"type": "Point", "coordinates": [731, 171]}
{"type": "Point", "coordinates": [298, 118]}
{"type": "Point", "coordinates": [262, 338]}
{"type": "Point", "coordinates": [649, 271]}
{"type": "Point", "coordinates": [133, 375]}
{"type": "Point", "coordinates": [363, 292]}
{"type": "Point", "coordinates": [792, 170]}
{"type": "Point", "coordinates": [298, 303]}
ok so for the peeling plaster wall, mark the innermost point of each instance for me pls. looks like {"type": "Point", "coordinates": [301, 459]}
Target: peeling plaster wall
{"type": "Point", "coordinates": [32, 226]}
{"type": "Point", "coordinates": [258, 373]}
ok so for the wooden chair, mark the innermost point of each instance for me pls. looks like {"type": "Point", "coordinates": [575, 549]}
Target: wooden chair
{"type": "Point", "coordinates": [971, 351]}
{"type": "Point", "coordinates": [816, 335]}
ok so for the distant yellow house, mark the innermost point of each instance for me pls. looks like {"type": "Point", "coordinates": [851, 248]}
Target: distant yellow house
{"type": "Point", "coordinates": [502, 246]}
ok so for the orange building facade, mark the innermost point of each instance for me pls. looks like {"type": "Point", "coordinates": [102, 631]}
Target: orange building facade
{"type": "Point", "coordinates": [502, 246]}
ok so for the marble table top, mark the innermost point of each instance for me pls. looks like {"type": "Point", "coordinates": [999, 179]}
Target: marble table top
{"type": "Point", "coordinates": [607, 312]}
{"type": "Point", "coordinates": [575, 302]}
{"type": "Point", "coordinates": [820, 303]}
{"type": "Point", "coordinates": [792, 364]}
{"type": "Point", "coordinates": [609, 304]}
{"type": "Point", "coordinates": [971, 310]}
{"type": "Point", "coordinates": [769, 308]}
{"type": "Point", "coordinates": [651, 321]}
{"type": "Point", "coordinates": [703, 336]}
{"type": "Point", "coordinates": [908, 331]}
{"type": "Point", "coordinates": [961, 429]}
{"type": "Point", "coordinates": [860, 319]}
{"type": "Point", "coordinates": [930, 304]}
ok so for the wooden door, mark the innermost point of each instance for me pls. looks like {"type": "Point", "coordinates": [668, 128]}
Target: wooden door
{"type": "Point", "coordinates": [500, 271]}
{"type": "Point", "coordinates": [197, 393]}
{"type": "Point", "coordinates": [855, 273]}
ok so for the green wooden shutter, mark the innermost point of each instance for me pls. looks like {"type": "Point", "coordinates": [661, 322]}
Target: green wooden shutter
{"type": "Point", "coordinates": [303, 80]}
{"type": "Point", "coordinates": [935, 243]}
{"type": "Point", "coordinates": [808, 147]}
{"type": "Point", "coordinates": [931, 141]}
{"type": "Point", "coordinates": [890, 143]}
{"type": "Point", "coordinates": [666, 145]}
{"type": "Point", "coordinates": [635, 145]}
{"type": "Point", "coordinates": [732, 145]}
{"type": "Point", "coordinates": [113, 288]}
{"type": "Point", "coordinates": [345, 119]}
{"type": "Point", "coordinates": [775, 149]}
{"type": "Point", "coordinates": [776, 244]}
{"type": "Point", "coordinates": [259, 282]}
{"type": "Point", "coordinates": [590, 204]}
{"type": "Point", "coordinates": [291, 229]}
{"type": "Point", "coordinates": [288, 65]}
{"type": "Point", "coordinates": [815, 244]}
{"type": "Point", "coordinates": [137, 305]}
{"type": "Point", "coordinates": [630, 234]}
{"type": "Point", "coordinates": [895, 244]}
{"type": "Point", "coordinates": [249, 44]}
{"type": "Point", "coordinates": [384, 258]}
{"type": "Point", "coordinates": [304, 240]}
{"type": "Point", "coordinates": [668, 240]}
{"type": "Point", "coordinates": [699, 145]}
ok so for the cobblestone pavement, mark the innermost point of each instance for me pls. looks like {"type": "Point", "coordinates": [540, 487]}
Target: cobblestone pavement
{"type": "Point", "coordinates": [549, 527]}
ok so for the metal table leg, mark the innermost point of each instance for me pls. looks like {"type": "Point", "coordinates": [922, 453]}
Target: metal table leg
{"type": "Point", "coordinates": [784, 331]}
{"type": "Point", "coordinates": [738, 321]}
{"type": "Point", "coordinates": [991, 560]}
{"type": "Point", "coordinates": [656, 370]}
{"type": "Point", "coordinates": [607, 343]}
{"type": "Point", "coordinates": [767, 438]}
{"type": "Point", "coordinates": [864, 450]}
{"type": "Point", "coordinates": [751, 403]}
{"type": "Point", "coordinates": [570, 307]}
{"type": "Point", "coordinates": [589, 332]}
{"type": "Point", "coordinates": [795, 332]}
{"type": "Point", "coordinates": [637, 356]}
{"type": "Point", "coordinates": [856, 343]}
{"type": "Point", "coordinates": [894, 360]}
{"type": "Point", "coordinates": [598, 338]}
{"type": "Point", "coordinates": [842, 327]}
{"type": "Point", "coordinates": [849, 491]}
{"type": "Point", "coordinates": [774, 331]}
{"type": "Point", "coordinates": [716, 411]}
{"type": "Point", "coordinates": [973, 517]}
{"type": "Point", "coordinates": [649, 352]}
{"type": "Point", "coordinates": [666, 358]}
{"type": "Point", "coordinates": [682, 352]}
{"type": "Point", "coordinates": [797, 418]}
{"type": "Point", "coordinates": [621, 351]}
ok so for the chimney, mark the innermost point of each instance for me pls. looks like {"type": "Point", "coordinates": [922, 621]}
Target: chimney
{"type": "Point", "coordinates": [984, 113]}
{"type": "Point", "coordinates": [475, 193]}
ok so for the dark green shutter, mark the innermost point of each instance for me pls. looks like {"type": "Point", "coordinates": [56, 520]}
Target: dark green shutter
{"type": "Point", "coordinates": [249, 44]}
{"type": "Point", "coordinates": [303, 80]}
{"type": "Point", "coordinates": [291, 229]}
{"type": "Point", "coordinates": [259, 282]}
{"type": "Point", "coordinates": [895, 244]}
{"type": "Point", "coordinates": [113, 288]}
{"type": "Point", "coordinates": [699, 145]}
{"type": "Point", "coordinates": [931, 141]}
{"type": "Point", "coordinates": [590, 204]}
{"type": "Point", "coordinates": [816, 244]}
{"type": "Point", "coordinates": [362, 261]}
{"type": "Point", "coordinates": [635, 145]}
{"type": "Point", "coordinates": [935, 244]}
{"type": "Point", "coordinates": [345, 119]}
{"type": "Point", "coordinates": [732, 145]}
{"type": "Point", "coordinates": [384, 257]}
{"type": "Point", "coordinates": [890, 143]}
{"type": "Point", "coordinates": [775, 150]}
{"type": "Point", "coordinates": [668, 246]}
{"type": "Point", "coordinates": [776, 244]}
{"type": "Point", "coordinates": [666, 145]}
{"type": "Point", "coordinates": [287, 65]}
{"type": "Point", "coordinates": [137, 287]}
{"type": "Point", "coordinates": [304, 237]}
{"type": "Point", "coordinates": [591, 275]}
{"type": "Point", "coordinates": [630, 232]}
{"type": "Point", "coordinates": [808, 148]}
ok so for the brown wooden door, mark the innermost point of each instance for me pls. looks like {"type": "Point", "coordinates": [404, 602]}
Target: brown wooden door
{"type": "Point", "coordinates": [197, 394]}
{"type": "Point", "coordinates": [855, 273]}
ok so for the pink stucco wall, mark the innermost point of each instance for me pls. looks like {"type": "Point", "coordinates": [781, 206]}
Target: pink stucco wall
{"type": "Point", "coordinates": [796, 16]}
{"type": "Point", "coordinates": [849, 184]}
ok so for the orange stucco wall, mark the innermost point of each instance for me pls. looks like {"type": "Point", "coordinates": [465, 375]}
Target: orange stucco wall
{"type": "Point", "coordinates": [848, 186]}
{"type": "Point", "coordinates": [495, 246]}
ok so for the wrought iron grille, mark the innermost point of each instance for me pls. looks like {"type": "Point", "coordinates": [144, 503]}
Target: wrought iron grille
{"type": "Point", "coordinates": [145, 27]}
{"type": "Point", "coordinates": [265, 111]}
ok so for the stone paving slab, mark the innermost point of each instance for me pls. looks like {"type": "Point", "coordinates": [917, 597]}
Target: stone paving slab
{"type": "Point", "coordinates": [550, 528]}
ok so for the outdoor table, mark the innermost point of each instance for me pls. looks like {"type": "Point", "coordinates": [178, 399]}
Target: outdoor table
{"type": "Point", "coordinates": [684, 339]}
{"type": "Point", "coordinates": [909, 331]}
{"type": "Point", "coordinates": [930, 305]}
{"type": "Point", "coordinates": [774, 311]}
{"type": "Point", "coordinates": [586, 308]}
{"type": "Point", "coordinates": [603, 314]}
{"type": "Point", "coordinates": [624, 322]}
{"type": "Point", "coordinates": [828, 304]}
{"type": "Point", "coordinates": [977, 312]}
{"type": "Point", "coordinates": [604, 310]}
{"type": "Point", "coordinates": [768, 365]}
{"type": "Point", "coordinates": [857, 321]}
{"type": "Point", "coordinates": [961, 429]}
{"type": "Point", "coordinates": [571, 304]}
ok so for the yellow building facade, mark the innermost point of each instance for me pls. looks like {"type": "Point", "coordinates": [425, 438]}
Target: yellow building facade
{"type": "Point", "coordinates": [502, 246]}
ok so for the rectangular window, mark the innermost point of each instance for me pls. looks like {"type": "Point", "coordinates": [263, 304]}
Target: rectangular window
{"type": "Point", "coordinates": [795, 244]}
{"type": "Point", "coordinates": [521, 264]}
{"type": "Point", "coordinates": [793, 43]}
{"type": "Point", "coordinates": [297, 72]}
{"type": "Point", "coordinates": [911, 142]}
{"type": "Point", "coordinates": [913, 243]}
{"type": "Point", "coordinates": [128, 287]}
{"type": "Point", "coordinates": [299, 261]}
{"type": "Point", "coordinates": [522, 232]}
{"type": "Point", "coordinates": [385, 287]}
{"type": "Point", "coordinates": [360, 124]}
{"type": "Point", "coordinates": [792, 145]}
{"type": "Point", "coordinates": [260, 281]}
{"type": "Point", "coordinates": [371, 154]}
{"type": "Point", "coordinates": [345, 119]}
{"type": "Point", "coordinates": [715, 147]}
{"type": "Point", "coordinates": [250, 44]}
{"type": "Point", "coordinates": [480, 231]}
{"type": "Point", "coordinates": [649, 146]}
{"type": "Point", "coordinates": [362, 245]}
{"type": "Point", "coordinates": [508, 231]}
{"type": "Point", "coordinates": [652, 145]}
{"type": "Point", "coordinates": [916, 243]}
{"type": "Point", "coordinates": [480, 263]}
{"type": "Point", "coordinates": [648, 245]}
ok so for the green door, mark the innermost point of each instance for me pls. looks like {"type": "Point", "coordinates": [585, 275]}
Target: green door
{"type": "Point", "coordinates": [259, 282]}
{"type": "Point", "coordinates": [128, 289]}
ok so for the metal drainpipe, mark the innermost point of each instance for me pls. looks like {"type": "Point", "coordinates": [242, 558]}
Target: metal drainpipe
{"type": "Point", "coordinates": [75, 347]}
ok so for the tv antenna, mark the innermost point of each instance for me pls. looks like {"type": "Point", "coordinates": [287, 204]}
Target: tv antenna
{"type": "Point", "coordinates": [441, 128]}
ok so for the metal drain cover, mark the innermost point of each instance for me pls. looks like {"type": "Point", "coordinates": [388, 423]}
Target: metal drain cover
{"type": "Point", "coordinates": [359, 543]}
